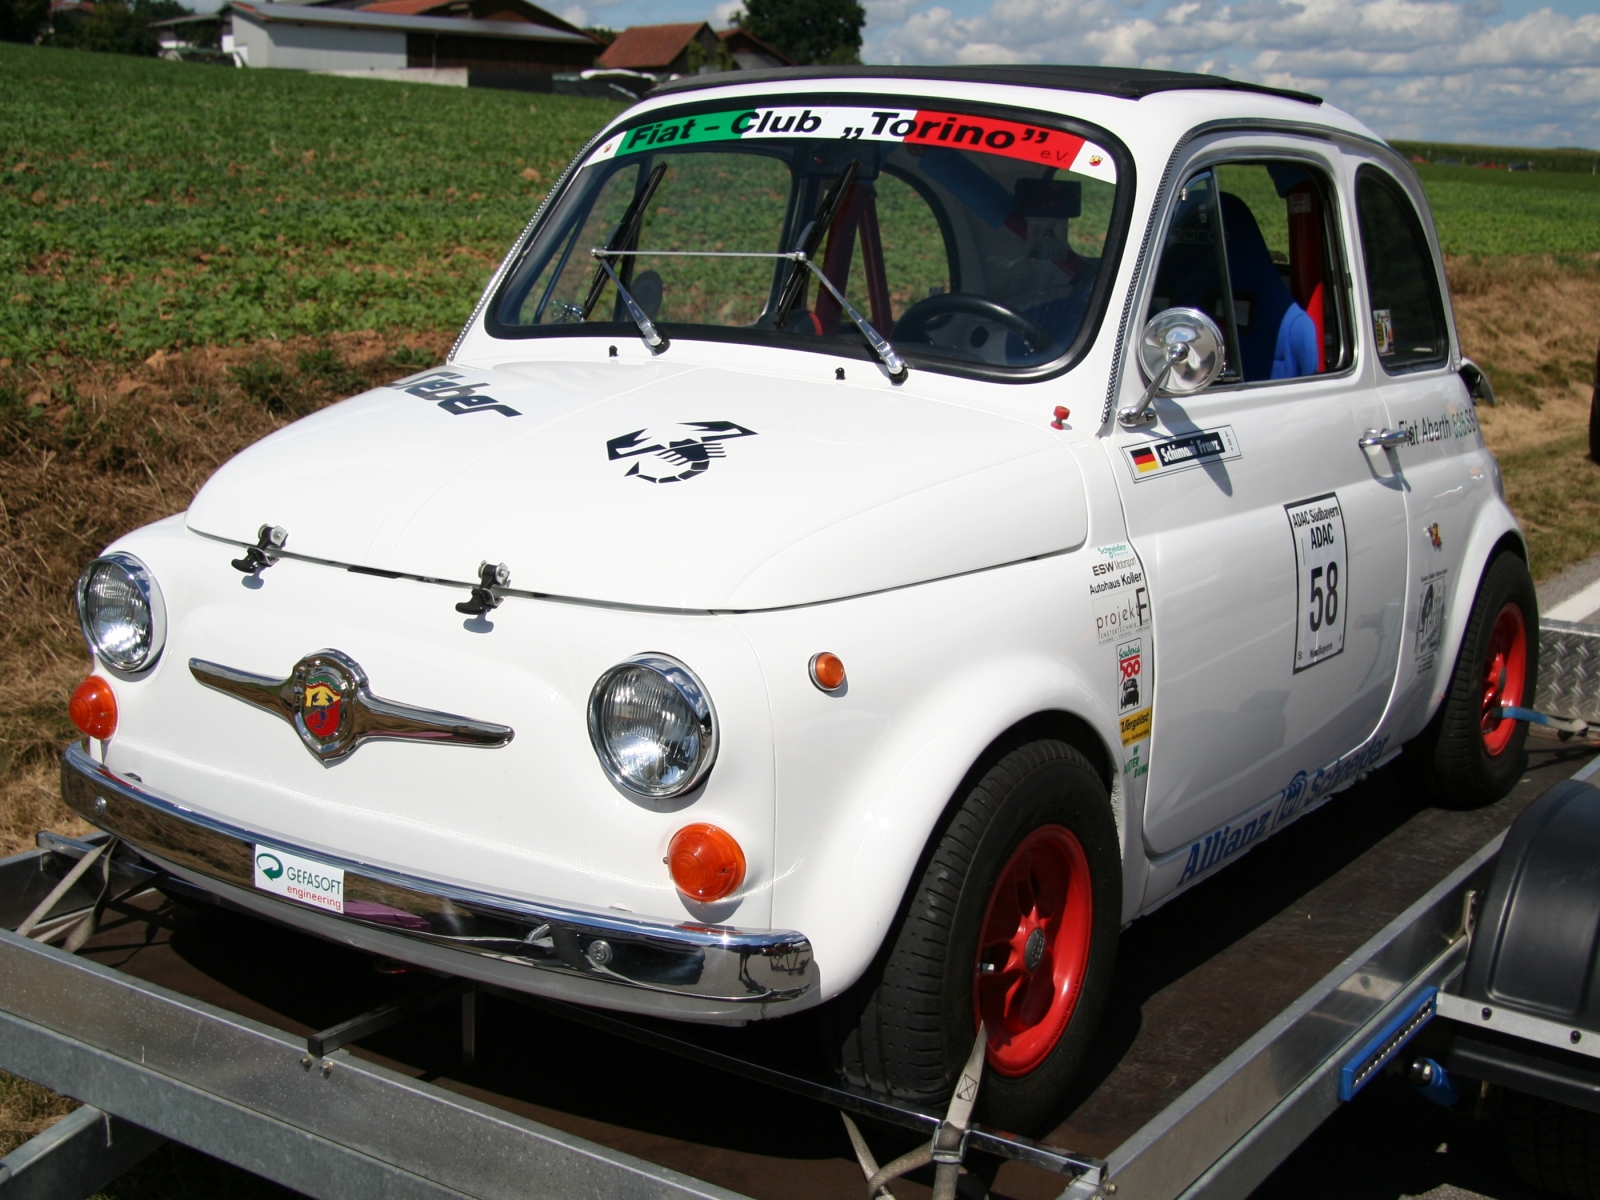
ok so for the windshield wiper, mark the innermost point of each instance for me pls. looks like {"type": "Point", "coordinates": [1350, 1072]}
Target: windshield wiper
{"type": "Point", "coordinates": [647, 329]}
{"type": "Point", "coordinates": [886, 353]}
{"type": "Point", "coordinates": [627, 231]}
{"type": "Point", "coordinates": [810, 237]}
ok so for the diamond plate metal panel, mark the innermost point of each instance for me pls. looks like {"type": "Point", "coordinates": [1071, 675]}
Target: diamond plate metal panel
{"type": "Point", "coordinates": [1569, 670]}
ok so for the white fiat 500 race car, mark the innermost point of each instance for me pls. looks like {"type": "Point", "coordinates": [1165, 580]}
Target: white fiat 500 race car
{"type": "Point", "coordinates": [881, 531]}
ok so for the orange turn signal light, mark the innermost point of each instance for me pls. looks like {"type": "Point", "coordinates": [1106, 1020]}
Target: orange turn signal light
{"type": "Point", "coordinates": [827, 671]}
{"type": "Point", "coordinates": [93, 708]}
{"type": "Point", "coordinates": [705, 862]}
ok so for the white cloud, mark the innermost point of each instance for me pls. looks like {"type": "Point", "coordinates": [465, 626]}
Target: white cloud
{"type": "Point", "coordinates": [576, 14]}
{"type": "Point", "coordinates": [722, 15]}
{"type": "Point", "coordinates": [1431, 68]}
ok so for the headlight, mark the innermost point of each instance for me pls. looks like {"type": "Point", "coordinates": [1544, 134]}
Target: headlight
{"type": "Point", "coordinates": [121, 612]}
{"type": "Point", "coordinates": [653, 726]}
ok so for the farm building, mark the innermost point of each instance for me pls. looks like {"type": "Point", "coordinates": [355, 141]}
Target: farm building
{"type": "Point", "coordinates": [687, 49]}
{"type": "Point", "coordinates": [502, 37]}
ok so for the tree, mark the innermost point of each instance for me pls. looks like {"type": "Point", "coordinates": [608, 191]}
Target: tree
{"type": "Point", "coordinates": [115, 26]}
{"type": "Point", "coordinates": [808, 31]}
{"type": "Point", "coordinates": [600, 31]}
{"type": "Point", "coordinates": [21, 20]}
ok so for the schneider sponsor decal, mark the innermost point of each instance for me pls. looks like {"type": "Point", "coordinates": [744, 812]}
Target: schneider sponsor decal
{"type": "Point", "coordinates": [302, 879]}
{"type": "Point", "coordinates": [1317, 526]}
{"type": "Point", "coordinates": [1305, 792]}
{"type": "Point", "coordinates": [1117, 592]}
{"type": "Point", "coordinates": [1150, 459]}
{"type": "Point", "coordinates": [914, 127]}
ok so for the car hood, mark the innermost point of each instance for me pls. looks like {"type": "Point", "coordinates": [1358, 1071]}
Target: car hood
{"type": "Point", "coordinates": [655, 484]}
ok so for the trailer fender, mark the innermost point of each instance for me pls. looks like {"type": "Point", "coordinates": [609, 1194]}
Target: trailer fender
{"type": "Point", "coordinates": [1537, 935]}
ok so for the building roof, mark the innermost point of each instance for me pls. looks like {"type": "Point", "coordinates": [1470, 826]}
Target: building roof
{"type": "Point", "coordinates": [735, 34]}
{"type": "Point", "coordinates": [1129, 83]}
{"type": "Point", "coordinates": [505, 10]}
{"type": "Point", "coordinates": [650, 47]}
{"type": "Point", "coordinates": [300, 14]}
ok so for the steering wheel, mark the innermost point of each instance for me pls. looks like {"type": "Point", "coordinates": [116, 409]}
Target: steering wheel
{"type": "Point", "coordinates": [917, 321]}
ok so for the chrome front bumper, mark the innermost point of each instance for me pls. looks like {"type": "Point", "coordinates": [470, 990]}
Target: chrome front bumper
{"type": "Point", "coordinates": [705, 972]}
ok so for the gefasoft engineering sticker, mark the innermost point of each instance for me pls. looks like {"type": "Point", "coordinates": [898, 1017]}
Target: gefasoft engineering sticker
{"type": "Point", "coordinates": [1317, 526]}
{"type": "Point", "coordinates": [303, 879]}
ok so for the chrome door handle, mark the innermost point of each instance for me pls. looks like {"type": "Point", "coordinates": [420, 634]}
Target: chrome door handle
{"type": "Point", "coordinates": [1389, 439]}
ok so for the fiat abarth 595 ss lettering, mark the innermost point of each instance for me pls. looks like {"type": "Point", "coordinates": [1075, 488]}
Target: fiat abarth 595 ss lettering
{"type": "Point", "coordinates": [881, 531]}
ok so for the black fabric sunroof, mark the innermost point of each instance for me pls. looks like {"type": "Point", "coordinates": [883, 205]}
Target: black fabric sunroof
{"type": "Point", "coordinates": [1130, 83]}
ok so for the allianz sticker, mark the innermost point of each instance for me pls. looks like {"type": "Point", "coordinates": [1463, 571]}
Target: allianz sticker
{"type": "Point", "coordinates": [1317, 528]}
{"type": "Point", "coordinates": [913, 126]}
{"type": "Point", "coordinates": [1431, 591]}
{"type": "Point", "coordinates": [303, 879]}
{"type": "Point", "coordinates": [1118, 593]}
{"type": "Point", "coordinates": [1148, 460]}
{"type": "Point", "coordinates": [1302, 794]}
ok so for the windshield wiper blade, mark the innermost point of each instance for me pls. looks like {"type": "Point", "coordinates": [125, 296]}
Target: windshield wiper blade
{"type": "Point", "coordinates": [794, 282]}
{"type": "Point", "coordinates": [627, 230]}
{"type": "Point", "coordinates": [886, 353]}
{"type": "Point", "coordinates": [647, 329]}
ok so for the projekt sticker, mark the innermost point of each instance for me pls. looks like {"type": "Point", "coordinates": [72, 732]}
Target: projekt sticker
{"type": "Point", "coordinates": [303, 879]}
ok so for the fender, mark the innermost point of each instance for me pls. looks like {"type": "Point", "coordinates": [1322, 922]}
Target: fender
{"type": "Point", "coordinates": [1536, 951]}
{"type": "Point", "coordinates": [852, 884]}
{"type": "Point", "coordinates": [1494, 523]}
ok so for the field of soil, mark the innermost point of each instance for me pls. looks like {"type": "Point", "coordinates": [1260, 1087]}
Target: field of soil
{"type": "Point", "coordinates": [221, 252]}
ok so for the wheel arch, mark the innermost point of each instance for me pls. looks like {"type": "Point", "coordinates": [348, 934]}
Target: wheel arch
{"type": "Point", "coordinates": [1495, 532]}
{"type": "Point", "coordinates": [911, 804]}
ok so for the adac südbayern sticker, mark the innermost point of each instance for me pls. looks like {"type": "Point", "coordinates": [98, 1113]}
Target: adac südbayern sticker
{"type": "Point", "coordinates": [1167, 456]}
{"type": "Point", "coordinates": [914, 127]}
{"type": "Point", "coordinates": [1317, 527]}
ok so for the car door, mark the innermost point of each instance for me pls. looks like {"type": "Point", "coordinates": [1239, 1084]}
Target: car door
{"type": "Point", "coordinates": [1447, 472]}
{"type": "Point", "coordinates": [1274, 545]}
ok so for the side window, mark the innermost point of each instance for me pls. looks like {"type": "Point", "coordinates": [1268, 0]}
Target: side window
{"type": "Point", "coordinates": [1408, 325]}
{"type": "Point", "coordinates": [1251, 244]}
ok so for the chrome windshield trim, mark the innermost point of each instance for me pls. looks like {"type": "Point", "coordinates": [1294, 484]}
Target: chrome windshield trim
{"type": "Point", "coordinates": [707, 963]}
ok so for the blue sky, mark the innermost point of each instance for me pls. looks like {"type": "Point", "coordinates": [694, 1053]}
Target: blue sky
{"type": "Point", "coordinates": [1515, 72]}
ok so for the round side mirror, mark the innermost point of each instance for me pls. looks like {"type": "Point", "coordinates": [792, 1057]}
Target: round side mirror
{"type": "Point", "coordinates": [1183, 345]}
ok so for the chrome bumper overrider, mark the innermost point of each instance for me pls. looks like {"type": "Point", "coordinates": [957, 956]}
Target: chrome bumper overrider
{"type": "Point", "coordinates": [687, 969]}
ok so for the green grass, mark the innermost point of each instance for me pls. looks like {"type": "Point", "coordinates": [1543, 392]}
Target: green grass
{"type": "Point", "coordinates": [1494, 213]}
{"type": "Point", "coordinates": [1573, 160]}
{"type": "Point", "coordinates": [148, 205]}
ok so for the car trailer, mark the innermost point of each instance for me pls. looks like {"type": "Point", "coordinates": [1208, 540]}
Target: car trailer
{"type": "Point", "coordinates": [173, 1020]}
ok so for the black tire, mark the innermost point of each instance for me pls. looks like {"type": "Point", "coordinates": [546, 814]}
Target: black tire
{"type": "Point", "coordinates": [1552, 1146]}
{"type": "Point", "coordinates": [905, 1030]}
{"type": "Point", "coordinates": [1450, 759]}
{"type": "Point", "coordinates": [1594, 413]}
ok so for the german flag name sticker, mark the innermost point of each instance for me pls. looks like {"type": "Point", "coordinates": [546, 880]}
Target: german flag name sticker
{"type": "Point", "coordinates": [1148, 460]}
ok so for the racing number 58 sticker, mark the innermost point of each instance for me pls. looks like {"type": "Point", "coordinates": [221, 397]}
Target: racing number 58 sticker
{"type": "Point", "coordinates": [1317, 526]}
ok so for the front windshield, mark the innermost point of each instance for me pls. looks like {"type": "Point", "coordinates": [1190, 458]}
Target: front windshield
{"type": "Point", "coordinates": [961, 237]}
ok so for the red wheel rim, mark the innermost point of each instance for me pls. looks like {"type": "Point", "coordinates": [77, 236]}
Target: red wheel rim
{"type": "Point", "coordinates": [1505, 672]}
{"type": "Point", "coordinates": [1033, 949]}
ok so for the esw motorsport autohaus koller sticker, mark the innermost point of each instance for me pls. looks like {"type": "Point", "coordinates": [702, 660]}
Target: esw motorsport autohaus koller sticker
{"type": "Point", "coordinates": [1322, 582]}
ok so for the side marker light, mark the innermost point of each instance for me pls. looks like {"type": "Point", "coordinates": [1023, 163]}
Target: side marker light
{"type": "Point", "coordinates": [93, 708]}
{"type": "Point", "coordinates": [827, 671]}
{"type": "Point", "coordinates": [705, 862]}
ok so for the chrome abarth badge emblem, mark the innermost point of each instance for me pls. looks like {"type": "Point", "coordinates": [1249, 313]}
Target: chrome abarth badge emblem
{"type": "Point", "coordinates": [327, 700]}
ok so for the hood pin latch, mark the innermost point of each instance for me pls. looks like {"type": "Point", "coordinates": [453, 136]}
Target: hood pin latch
{"type": "Point", "coordinates": [269, 540]}
{"type": "Point", "coordinates": [490, 575]}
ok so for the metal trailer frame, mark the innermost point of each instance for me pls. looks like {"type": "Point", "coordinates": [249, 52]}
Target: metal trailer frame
{"type": "Point", "coordinates": [155, 1064]}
